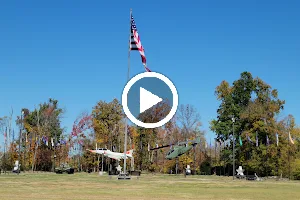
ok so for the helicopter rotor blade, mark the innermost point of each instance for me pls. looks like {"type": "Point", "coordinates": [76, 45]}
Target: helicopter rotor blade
{"type": "Point", "coordinates": [193, 142]}
{"type": "Point", "coordinates": [160, 147]}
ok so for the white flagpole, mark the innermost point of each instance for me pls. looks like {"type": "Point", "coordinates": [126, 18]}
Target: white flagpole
{"type": "Point", "coordinates": [125, 141]}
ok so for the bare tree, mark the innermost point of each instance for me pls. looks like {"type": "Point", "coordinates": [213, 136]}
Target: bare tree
{"type": "Point", "coordinates": [4, 121]}
{"type": "Point", "coordinates": [189, 123]}
{"type": "Point", "coordinates": [189, 120]}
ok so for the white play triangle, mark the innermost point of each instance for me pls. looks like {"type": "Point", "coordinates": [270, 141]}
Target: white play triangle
{"type": "Point", "coordinates": [147, 99]}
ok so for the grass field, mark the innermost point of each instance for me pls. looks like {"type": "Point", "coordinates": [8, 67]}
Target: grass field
{"type": "Point", "coordinates": [92, 186]}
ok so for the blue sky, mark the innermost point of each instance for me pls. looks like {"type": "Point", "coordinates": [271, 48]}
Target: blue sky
{"type": "Point", "coordinates": [76, 51]}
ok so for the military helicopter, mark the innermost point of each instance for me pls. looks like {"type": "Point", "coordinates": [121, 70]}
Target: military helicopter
{"type": "Point", "coordinates": [179, 149]}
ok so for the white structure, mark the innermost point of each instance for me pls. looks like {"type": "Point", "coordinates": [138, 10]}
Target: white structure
{"type": "Point", "coordinates": [17, 165]}
{"type": "Point", "coordinates": [257, 178]}
{"type": "Point", "coordinates": [240, 171]}
{"type": "Point", "coordinates": [188, 170]}
{"type": "Point", "coordinates": [119, 168]}
{"type": "Point", "coordinates": [114, 155]}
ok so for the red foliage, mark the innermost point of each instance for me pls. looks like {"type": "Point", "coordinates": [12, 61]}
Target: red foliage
{"type": "Point", "coordinates": [84, 124]}
{"type": "Point", "coordinates": [80, 125]}
{"type": "Point", "coordinates": [49, 110]}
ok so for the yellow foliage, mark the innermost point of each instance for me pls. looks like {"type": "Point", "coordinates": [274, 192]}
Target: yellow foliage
{"type": "Point", "coordinates": [185, 159]}
{"type": "Point", "coordinates": [99, 140]}
{"type": "Point", "coordinates": [295, 132]}
{"type": "Point", "coordinates": [28, 127]}
{"type": "Point", "coordinates": [223, 90]}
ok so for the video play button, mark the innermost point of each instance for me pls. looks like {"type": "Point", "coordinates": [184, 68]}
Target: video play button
{"type": "Point", "coordinates": [147, 100]}
{"type": "Point", "coordinates": [150, 100]}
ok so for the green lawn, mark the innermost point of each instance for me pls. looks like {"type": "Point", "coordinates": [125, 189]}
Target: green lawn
{"type": "Point", "coordinates": [92, 186]}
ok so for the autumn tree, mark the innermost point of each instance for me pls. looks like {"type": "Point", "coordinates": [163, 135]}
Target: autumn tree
{"type": "Point", "coordinates": [106, 117]}
{"type": "Point", "coordinates": [4, 121]}
{"type": "Point", "coordinates": [43, 122]}
{"type": "Point", "coordinates": [255, 107]}
{"type": "Point", "coordinates": [81, 137]}
{"type": "Point", "coordinates": [149, 137]}
{"type": "Point", "coordinates": [295, 149]}
{"type": "Point", "coordinates": [108, 124]}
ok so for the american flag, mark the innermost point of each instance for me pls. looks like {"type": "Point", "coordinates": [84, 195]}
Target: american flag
{"type": "Point", "coordinates": [135, 43]}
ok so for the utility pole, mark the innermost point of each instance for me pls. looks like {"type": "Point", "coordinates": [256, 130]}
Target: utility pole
{"type": "Point", "coordinates": [10, 141]}
{"type": "Point", "coordinates": [20, 139]}
{"type": "Point", "coordinates": [289, 149]}
{"type": "Point", "coordinates": [54, 151]}
{"type": "Point", "coordinates": [37, 138]}
{"type": "Point", "coordinates": [216, 156]}
{"type": "Point", "coordinates": [194, 160]}
{"type": "Point", "coordinates": [185, 167]}
{"type": "Point", "coordinates": [5, 144]}
{"type": "Point", "coordinates": [25, 147]}
{"type": "Point", "coordinates": [101, 164]}
{"type": "Point", "coordinates": [233, 144]}
{"type": "Point", "coordinates": [210, 156]}
{"type": "Point", "coordinates": [200, 162]}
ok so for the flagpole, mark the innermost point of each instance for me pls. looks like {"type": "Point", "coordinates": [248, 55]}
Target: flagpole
{"type": "Point", "coordinates": [125, 140]}
{"type": "Point", "coordinates": [233, 151]}
{"type": "Point", "coordinates": [5, 135]}
{"type": "Point", "coordinates": [289, 151]}
{"type": "Point", "coordinates": [215, 156]}
{"type": "Point", "coordinates": [266, 168]}
{"type": "Point", "coordinates": [200, 157]}
{"type": "Point", "coordinates": [220, 146]}
{"type": "Point", "coordinates": [289, 145]}
{"type": "Point", "coordinates": [210, 154]}
{"type": "Point", "coordinates": [20, 139]}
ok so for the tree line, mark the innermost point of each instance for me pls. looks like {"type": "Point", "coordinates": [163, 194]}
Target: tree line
{"type": "Point", "coordinates": [249, 114]}
{"type": "Point", "coordinates": [265, 142]}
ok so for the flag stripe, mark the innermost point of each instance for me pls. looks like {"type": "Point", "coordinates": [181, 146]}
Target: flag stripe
{"type": "Point", "coordinates": [133, 46]}
{"type": "Point", "coordinates": [135, 43]}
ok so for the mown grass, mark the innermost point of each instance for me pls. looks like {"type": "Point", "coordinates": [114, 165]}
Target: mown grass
{"type": "Point", "coordinates": [92, 186]}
